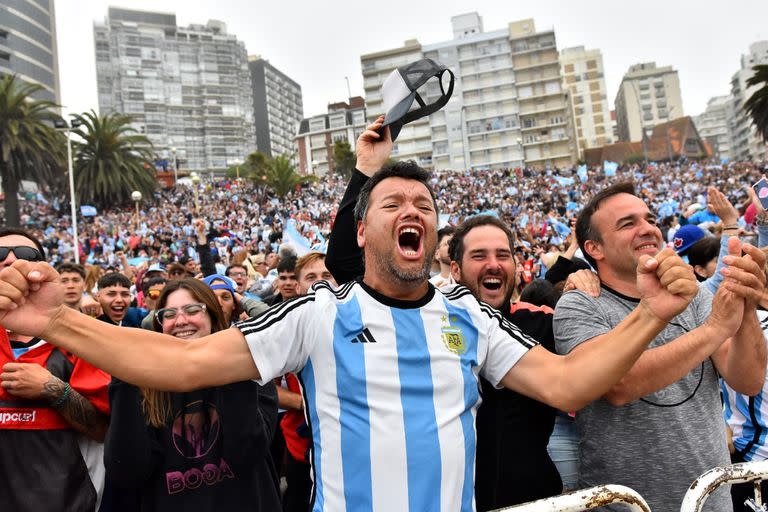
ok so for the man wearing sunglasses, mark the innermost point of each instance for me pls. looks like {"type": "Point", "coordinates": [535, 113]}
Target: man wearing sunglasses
{"type": "Point", "coordinates": [52, 405]}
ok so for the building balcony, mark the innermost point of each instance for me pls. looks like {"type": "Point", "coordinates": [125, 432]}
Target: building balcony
{"type": "Point", "coordinates": [544, 158]}
{"type": "Point", "coordinates": [541, 126]}
{"type": "Point", "coordinates": [490, 99]}
{"type": "Point", "coordinates": [476, 72]}
{"type": "Point", "coordinates": [547, 140]}
{"type": "Point", "coordinates": [543, 108]}
{"type": "Point", "coordinates": [534, 65]}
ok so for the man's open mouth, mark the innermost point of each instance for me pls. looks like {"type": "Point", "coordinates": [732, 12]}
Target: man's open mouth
{"type": "Point", "coordinates": [409, 241]}
{"type": "Point", "coordinates": [492, 283]}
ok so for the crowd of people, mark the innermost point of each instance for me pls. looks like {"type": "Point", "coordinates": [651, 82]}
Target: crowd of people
{"type": "Point", "coordinates": [396, 341]}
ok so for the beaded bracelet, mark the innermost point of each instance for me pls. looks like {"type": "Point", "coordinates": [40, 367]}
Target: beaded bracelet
{"type": "Point", "coordinates": [63, 398]}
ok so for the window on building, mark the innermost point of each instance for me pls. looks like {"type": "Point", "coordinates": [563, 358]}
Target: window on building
{"type": "Point", "coordinates": [591, 64]}
{"type": "Point", "coordinates": [568, 68]}
{"type": "Point", "coordinates": [594, 86]}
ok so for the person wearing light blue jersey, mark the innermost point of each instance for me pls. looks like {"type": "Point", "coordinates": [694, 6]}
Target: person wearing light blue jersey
{"type": "Point", "coordinates": [747, 416]}
{"type": "Point", "coordinates": [389, 364]}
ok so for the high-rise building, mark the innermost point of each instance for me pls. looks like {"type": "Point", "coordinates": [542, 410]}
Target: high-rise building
{"type": "Point", "coordinates": [318, 134]}
{"type": "Point", "coordinates": [28, 45]}
{"type": "Point", "coordinates": [584, 79]}
{"type": "Point", "coordinates": [713, 127]}
{"type": "Point", "coordinates": [277, 108]}
{"type": "Point", "coordinates": [648, 95]}
{"type": "Point", "coordinates": [187, 88]}
{"type": "Point", "coordinates": [498, 75]}
{"type": "Point", "coordinates": [747, 143]}
{"type": "Point", "coordinates": [544, 109]}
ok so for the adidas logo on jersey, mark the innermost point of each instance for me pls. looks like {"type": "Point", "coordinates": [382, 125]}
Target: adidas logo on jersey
{"type": "Point", "coordinates": [364, 337]}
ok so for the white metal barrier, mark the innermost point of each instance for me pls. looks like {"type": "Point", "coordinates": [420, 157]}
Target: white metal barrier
{"type": "Point", "coordinates": [710, 481]}
{"type": "Point", "coordinates": [585, 499]}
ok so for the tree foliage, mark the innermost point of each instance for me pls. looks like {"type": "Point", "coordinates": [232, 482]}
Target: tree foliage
{"type": "Point", "coordinates": [254, 167]}
{"type": "Point", "coordinates": [30, 147]}
{"type": "Point", "coordinates": [282, 177]}
{"type": "Point", "coordinates": [343, 158]}
{"type": "Point", "coordinates": [111, 161]}
{"type": "Point", "coordinates": [757, 104]}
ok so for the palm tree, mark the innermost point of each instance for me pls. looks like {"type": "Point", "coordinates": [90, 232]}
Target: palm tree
{"type": "Point", "coordinates": [757, 104]}
{"type": "Point", "coordinates": [254, 167]}
{"type": "Point", "coordinates": [30, 148]}
{"type": "Point", "coordinates": [282, 177]}
{"type": "Point", "coordinates": [111, 161]}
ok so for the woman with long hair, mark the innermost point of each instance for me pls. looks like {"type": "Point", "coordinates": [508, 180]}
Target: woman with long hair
{"type": "Point", "coordinates": [198, 451]}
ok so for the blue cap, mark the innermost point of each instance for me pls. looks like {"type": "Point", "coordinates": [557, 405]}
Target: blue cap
{"type": "Point", "coordinates": [221, 283]}
{"type": "Point", "coordinates": [686, 236]}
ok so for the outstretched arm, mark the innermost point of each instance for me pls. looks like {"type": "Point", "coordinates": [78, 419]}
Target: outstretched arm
{"type": "Point", "coordinates": [31, 302]}
{"type": "Point", "coordinates": [570, 382]}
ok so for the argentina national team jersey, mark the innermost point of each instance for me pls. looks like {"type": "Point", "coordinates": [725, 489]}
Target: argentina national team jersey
{"type": "Point", "coordinates": [747, 416]}
{"type": "Point", "coordinates": [391, 390]}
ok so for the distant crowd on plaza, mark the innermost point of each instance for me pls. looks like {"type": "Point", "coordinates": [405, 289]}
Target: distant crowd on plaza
{"type": "Point", "coordinates": [398, 340]}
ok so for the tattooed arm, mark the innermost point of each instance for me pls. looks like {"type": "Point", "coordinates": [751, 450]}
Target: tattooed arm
{"type": "Point", "coordinates": [33, 382]}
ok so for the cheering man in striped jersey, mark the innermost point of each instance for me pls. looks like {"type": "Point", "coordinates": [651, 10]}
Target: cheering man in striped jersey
{"type": "Point", "coordinates": [389, 364]}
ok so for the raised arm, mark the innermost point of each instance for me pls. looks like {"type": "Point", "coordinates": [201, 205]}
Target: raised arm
{"type": "Point", "coordinates": [742, 360]}
{"type": "Point", "coordinates": [31, 302]}
{"type": "Point", "coordinates": [345, 258]}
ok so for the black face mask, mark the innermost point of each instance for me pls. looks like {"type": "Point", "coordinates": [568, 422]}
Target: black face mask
{"type": "Point", "coordinates": [400, 90]}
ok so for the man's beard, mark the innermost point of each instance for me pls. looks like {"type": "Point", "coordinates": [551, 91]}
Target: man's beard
{"type": "Point", "coordinates": [386, 262]}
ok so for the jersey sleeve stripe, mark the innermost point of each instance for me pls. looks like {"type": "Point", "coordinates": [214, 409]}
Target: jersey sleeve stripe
{"type": "Point", "coordinates": [273, 315]}
{"type": "Point", "coordinates": [509, 327]}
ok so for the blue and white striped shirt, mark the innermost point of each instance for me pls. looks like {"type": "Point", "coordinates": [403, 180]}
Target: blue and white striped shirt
{"type": "Point", "coordinates": [391, 390]}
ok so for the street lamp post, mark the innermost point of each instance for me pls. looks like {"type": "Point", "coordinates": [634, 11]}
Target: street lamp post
{"type": "Point", "coordinates": [136, 196]}
{"type": "Point", "coordinates": [195, 185]}
{"type": "Point", "coordinates": [175, 167]}
{"type": "Point", "coordinates": [67, 128]}
{"type": "Point", "coordinates": [314, 166]}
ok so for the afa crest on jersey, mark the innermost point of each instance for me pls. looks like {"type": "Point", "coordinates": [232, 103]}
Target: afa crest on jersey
{"type": "Point", "coordinates": [453, 339]}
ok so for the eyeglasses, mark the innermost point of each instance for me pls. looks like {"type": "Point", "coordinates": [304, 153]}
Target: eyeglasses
{"type": "Point", "coordinates": [21, 252]}
{"type": "Point", "coordinates": [237, 274]}
{"type": "Point", "coordinates": [189, 311]}
{"type": "Point", "coordinates": [154, 294]}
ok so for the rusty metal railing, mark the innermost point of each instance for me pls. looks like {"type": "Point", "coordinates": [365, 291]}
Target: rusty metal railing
{"type": "Point", "coordinates": [709, 482]}
{"type": "Point", "coordinates": [585, 499]}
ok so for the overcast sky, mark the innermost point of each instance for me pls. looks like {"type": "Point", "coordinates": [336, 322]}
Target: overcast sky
{"type": "Point", "coordinates": [318, 43]}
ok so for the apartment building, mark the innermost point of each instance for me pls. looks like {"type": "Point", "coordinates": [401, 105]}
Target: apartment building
{"type": "Point", "coordinates": [277, 107]}
{"type": "Point", "coordinates": [747, 143]}
{"type": "Point", "coordinates": [648, 95]}
{"type": "Point", "coordinates": [498, 75]}
{"type": "Point", "coordinates": [188, 88]}
{"type": "Point", "coordinates": [317, 135]}
{"type": "Point", "coordinates": [584, 78]}
{"type": "Point", "coordinates": [713, 127]}
{"type": "Point", "coordinates": [28, 45]}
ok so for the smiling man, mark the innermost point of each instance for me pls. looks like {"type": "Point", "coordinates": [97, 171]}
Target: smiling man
{"type": "Point", "coordinates": [660, 426]}
{"type": "Point", "coordinates": [389, 364]}
{"type": "Point", "coordinates": [114, 296]}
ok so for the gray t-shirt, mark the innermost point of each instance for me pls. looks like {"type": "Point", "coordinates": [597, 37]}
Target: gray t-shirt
{"type": "Point", "coordinates": [657, 445]}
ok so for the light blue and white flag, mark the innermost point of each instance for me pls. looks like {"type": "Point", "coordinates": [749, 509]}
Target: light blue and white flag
{"type": "Point", "coordinates": [582, 172]}
{"type": "Point", "coordinates": [609, 168]}
{"type": "Point", "coordinates": [87, 210]}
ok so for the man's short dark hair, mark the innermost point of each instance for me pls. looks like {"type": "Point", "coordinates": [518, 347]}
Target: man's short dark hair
{"type": "Point", "coordinates": [149, 283]}
{"type": "Point", "coordinates": [113, 279]}
{"type": "Point", "coordinates": [407, 169]}
{"type": "Point", "coordinates": [25, 234]}
{"type": "Point", "coordinates": [71, 268]}
{"type": "Point", "coordinates": [234, 265]}
{"type": "Point", "coordinates": [286, 265]}
{"type": "Point", "coordinates": [456, 245]}
{"type": "Point", "coordinates": [584, 228]}
{"type": "Point", "coordinates": [443, 232]}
